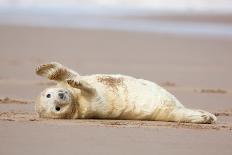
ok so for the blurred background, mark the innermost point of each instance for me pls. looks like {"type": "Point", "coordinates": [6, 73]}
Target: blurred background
{"type": "Point", "coordinates": [186, 44]}
{"type": "Point", "coordinates": [183, 45]}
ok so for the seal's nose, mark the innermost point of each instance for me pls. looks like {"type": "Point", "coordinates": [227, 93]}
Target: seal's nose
{"type": "Point", "coordinates": [61, 95]}
{"type": "Point", "coordinates": [57, 108]}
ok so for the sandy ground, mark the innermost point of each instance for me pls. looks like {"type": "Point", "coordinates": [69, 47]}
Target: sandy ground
{"type": "Point", "coordinates": [206, 18]}
{"type": "Point", "coordinates": [195, 69]}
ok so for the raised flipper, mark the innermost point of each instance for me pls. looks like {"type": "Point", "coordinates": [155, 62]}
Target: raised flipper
{"type": "Point", "coordinates": [85, 87]}
{"type": "Point", "coordinates": [55, 71]}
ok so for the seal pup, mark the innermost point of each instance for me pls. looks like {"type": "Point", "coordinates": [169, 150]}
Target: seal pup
{"type": "Point", "coordinates": [105, 96]}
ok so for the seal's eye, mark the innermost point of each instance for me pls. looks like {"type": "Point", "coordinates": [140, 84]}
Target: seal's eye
{"type": "Point", "coordinates": [48, 95]}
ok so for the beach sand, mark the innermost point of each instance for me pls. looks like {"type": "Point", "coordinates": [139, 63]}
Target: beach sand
{"type": "Point", "coordinates": [196, 69]}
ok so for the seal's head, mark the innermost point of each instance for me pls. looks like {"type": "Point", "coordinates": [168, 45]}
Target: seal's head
{"type": "Point", "coordinates": [56, 102]}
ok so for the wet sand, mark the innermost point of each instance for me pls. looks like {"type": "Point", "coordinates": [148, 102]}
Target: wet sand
{"type": "Point", "coordinates": [195, 69]}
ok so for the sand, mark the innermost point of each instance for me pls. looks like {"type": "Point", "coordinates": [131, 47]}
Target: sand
{"type": "Point", "coordinates": [196, 69]}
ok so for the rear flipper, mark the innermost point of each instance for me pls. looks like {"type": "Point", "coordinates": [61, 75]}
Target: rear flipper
{"type": "Point", "coordinates": [185, 115]}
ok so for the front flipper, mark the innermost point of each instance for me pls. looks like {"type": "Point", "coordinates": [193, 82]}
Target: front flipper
{"type": "Point", "coordinates": [55, 71]}
{"type": "Point", "coordinates": [85, 87]}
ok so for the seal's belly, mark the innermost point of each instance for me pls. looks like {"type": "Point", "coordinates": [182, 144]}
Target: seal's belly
{"type": "Point", "coordinates": [129, 98]}
{"type": "Point", "coordinates": [144, 98]}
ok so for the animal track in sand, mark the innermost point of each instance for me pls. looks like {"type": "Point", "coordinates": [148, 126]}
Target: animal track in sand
{"type": "Point", "coordinates": [216, 91]}
{"type": "Point", "coordinates": [227, 112]}
{"type": "Point", "coordinates": [168, 84]}
{"type": "Point", "coordinates": [17, 116]}
{"type": "Point", "coordinates": [29, 116]}
{"type": "Point", "coordinates": [8, 100]}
